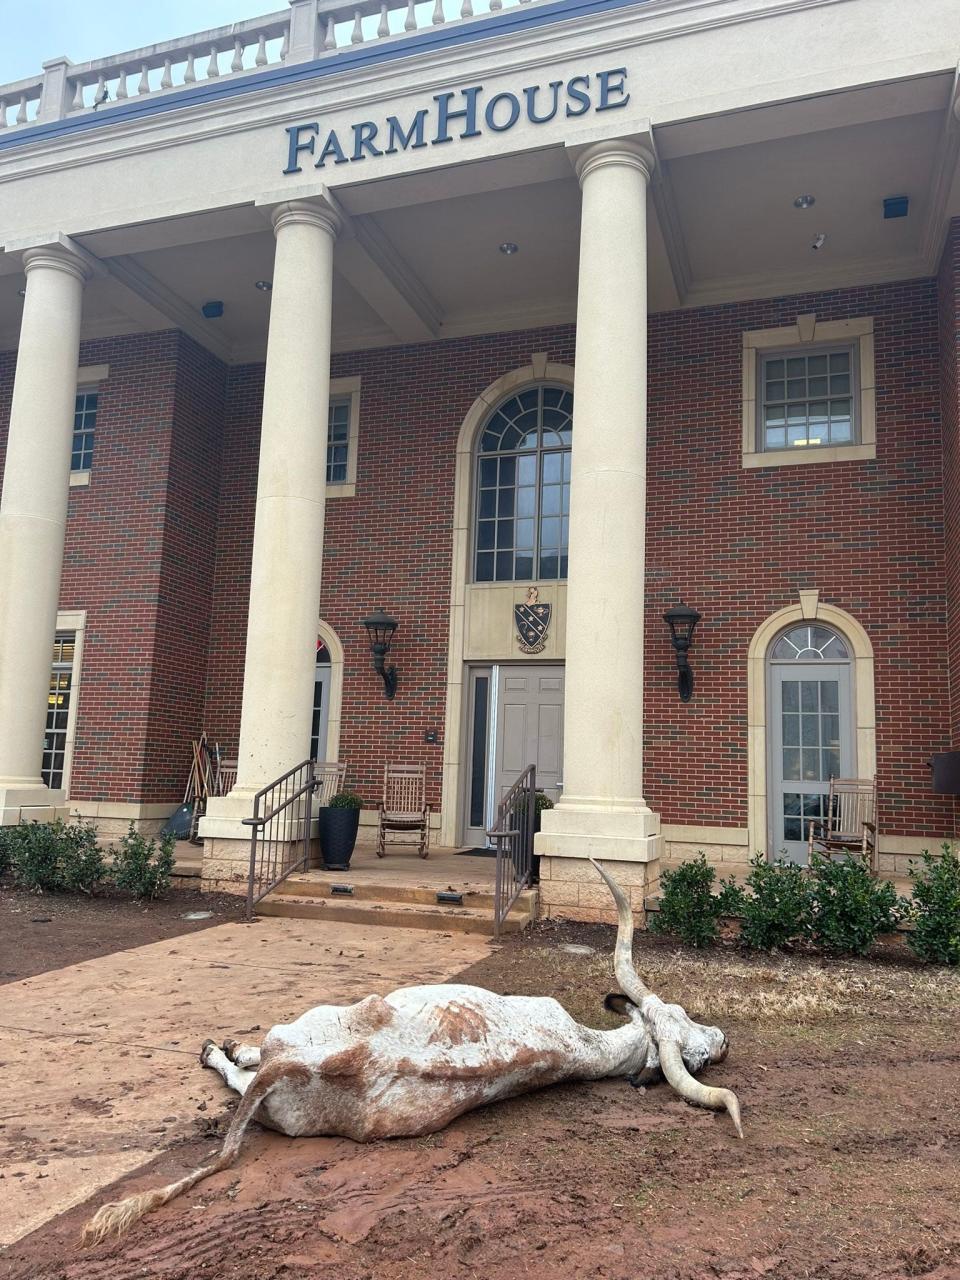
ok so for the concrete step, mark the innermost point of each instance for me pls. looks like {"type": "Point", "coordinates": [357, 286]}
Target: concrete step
{"type": "Point", "coordinates": [390, 913]}
{"type": "Point", "coordinates": [315, 886]}
{"type": "Point", "coordinates": [187, 868]}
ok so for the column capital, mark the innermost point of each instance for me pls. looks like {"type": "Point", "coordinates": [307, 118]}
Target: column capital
{"type": "Point", "coordinates": [623, 152]}
{"type": "Point", "coordinates": [312, 204]}
{"type": "Point", "coordinates": [315, 213]}
{"type": "Point", "coordinates": [57, 252]}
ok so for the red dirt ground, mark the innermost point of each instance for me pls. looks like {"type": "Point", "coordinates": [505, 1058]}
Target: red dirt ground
{"type": "Point", "coordinates": [40, 932]}
{"type": "Point", "coordinates": [849, 1074]}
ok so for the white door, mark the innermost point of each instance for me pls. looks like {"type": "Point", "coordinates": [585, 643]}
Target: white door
{"type": "Point", "coordinates": [321, 710]}
{"type": "Point", "coordinates": [811, 733]}
{"type": "Point", "coordinates": [515, 720]}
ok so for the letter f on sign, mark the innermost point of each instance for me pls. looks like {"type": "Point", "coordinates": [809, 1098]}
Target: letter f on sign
{"type": "Point", "coordinates": [297, 144]}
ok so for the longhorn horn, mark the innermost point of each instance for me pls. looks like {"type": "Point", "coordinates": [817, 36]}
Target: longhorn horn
{"type": "Point", "coordinates": [690, 1088]}
{"type": "Point", "coordinates": [671, 1059]}
{"type": "Point", "coordinates": [631, 984]}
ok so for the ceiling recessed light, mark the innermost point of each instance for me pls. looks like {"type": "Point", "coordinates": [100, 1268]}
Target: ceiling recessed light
{"type": "Point", "coordinates": [804, 202]}
{"type": "Point", "coordinates": [264, 285]}
{"type": "Point", "coordinates": [509, 248]}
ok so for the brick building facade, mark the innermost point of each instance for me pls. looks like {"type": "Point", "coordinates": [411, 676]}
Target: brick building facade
{"type": "Point", "coordinates": [158, 548]}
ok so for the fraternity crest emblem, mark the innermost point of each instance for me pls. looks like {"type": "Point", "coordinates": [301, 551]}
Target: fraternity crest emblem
{"type": "Point", "coordinates": [533, 620]}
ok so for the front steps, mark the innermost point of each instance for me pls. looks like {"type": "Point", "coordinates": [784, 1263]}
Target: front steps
{"type": "Point", "coordinates": [312, 897]}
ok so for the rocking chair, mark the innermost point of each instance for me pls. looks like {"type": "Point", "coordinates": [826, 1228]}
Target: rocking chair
{"type": "Point", "coordinates": [850, 822]}
{"type": "Point", "coordinates": [404, 806]}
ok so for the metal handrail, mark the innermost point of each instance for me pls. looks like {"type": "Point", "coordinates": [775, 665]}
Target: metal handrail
{"type": "Point", "coordinates": [279, 828]}
{"type": "Point", "coordinates": [513, 835]}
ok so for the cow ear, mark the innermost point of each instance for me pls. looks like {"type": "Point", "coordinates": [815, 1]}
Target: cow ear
{"type": "Point", "coordinates": [616, 1002]}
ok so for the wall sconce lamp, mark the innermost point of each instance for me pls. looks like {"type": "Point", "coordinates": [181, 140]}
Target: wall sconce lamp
{"type": "Point", "coordinates": [380, 628]}
{"type": "Point", "coordinates": [682, 620]}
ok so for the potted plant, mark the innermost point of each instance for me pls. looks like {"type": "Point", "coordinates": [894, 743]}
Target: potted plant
{"type": "Point", "coordinates": [338, 824]}
{"type": "Point", "coordinates": [542, 801]}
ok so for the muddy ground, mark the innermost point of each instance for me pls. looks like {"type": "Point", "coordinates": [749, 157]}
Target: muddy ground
{"type": "Point", "coordinates": [849, 1074]}
{"type": "Point", "coordinates": [40, 932]}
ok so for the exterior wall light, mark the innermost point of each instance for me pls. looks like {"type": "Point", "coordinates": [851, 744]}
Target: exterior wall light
{"type": "Point", "coordinates": [682, 620]}
{"type": "Point", "coordinates": [380, 628]}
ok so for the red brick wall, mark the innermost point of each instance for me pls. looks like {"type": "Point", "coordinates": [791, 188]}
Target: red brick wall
{"type": "Point", "coordinates": [949, 298]}
{"type": "Point", "coordinates": [389, 545]}
{"type": "Point", "coordinates": [740, 544]}
{"type": "Point", "coordinates": [139, 558]}
{"type": "Point", "coordinates": [737, 544]}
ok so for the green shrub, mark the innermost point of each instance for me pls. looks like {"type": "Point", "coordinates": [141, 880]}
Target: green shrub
{"type": "Point", "coordinates": [936, 908]}
{"type": "Point", "coordinates": [141, 866]}
{"type": "Point", "coordinates": [346, 800]}
{"type": "Point", "coordinates": [688, 906]}
{"type": "Point", "coordinates": [55, 856]}
{"type": "Point", "coordinates": [776, 911]}
{"type": "Point", "coordinates": [849, 907]}
{"type": "Point", "coordinates": [6, 849]}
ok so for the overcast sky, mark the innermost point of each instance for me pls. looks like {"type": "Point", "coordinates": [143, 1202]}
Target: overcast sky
{"type": "Point", "coordinates": [34, 31]}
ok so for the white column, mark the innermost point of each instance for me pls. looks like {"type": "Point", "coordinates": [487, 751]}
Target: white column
{"type": "Point", "coordinates": [291, 487]}
{"type": "Point", "coordinates": [602, 812]}
{"type": "Point", "coordinates": [33, 516]}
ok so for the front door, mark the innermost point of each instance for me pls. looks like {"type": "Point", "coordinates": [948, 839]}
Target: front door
{"type": "Point", "coordinates": [812, 741]}
{"type": "Point", "coordinates": [516, 719]}
{"type": "Point", "coordinates": [321, 706]}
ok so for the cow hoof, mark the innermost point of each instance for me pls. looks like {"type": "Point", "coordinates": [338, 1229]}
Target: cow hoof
{"type": "Point", "coordinates": [230, 1048]}
{"type": "Point", "coordinates": [205, 1051]}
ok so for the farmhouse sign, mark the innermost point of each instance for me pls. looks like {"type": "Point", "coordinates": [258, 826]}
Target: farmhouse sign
{"type": "Point", "coordinates": [454, 116]}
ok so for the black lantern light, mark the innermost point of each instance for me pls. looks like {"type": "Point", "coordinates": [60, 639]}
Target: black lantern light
{"type": "Point", "coordinates": [682, 620]}
{"type": "Point", "coordinates": [380, 628]}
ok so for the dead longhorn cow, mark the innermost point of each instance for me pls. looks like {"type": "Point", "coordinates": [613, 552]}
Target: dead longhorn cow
{"type": "Point", "coordinates": [408, 1063]}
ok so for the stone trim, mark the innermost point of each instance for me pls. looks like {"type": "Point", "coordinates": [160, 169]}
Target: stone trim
{"type": "Point", "coordinates": [808, 330]}
{"type": "Point", "coordinates": [864, 702]}
{"type": "Point", "coordinates": [538, 370]}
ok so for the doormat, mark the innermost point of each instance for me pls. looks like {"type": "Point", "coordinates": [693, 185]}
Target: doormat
{"type": "Point", "coordinates": [476, 853]}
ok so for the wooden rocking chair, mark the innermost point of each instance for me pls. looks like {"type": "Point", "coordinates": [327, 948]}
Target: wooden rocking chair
{"type": "Point", "coordinates": [328, 776]}
{"type": "Point", "coordinates": [404, 806]}
{"type": "Point", "coordinates": [850, 822]}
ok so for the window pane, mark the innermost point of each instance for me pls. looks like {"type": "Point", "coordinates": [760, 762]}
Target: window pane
{"type": "Point", "coordinates": [527, 481]}
{"type": "Point", "coordinates": [791, 695]}
{"type": "Point", "coordinates": [774, 368]}
{"type": "Point", "coordinates": [811, 765]}
{"type": "Point", "coordinates": [796, 367]}
{"type": "Point", "coordinates": [791, 731]}
{"type": "Point", "coordinates": [776, 438]}
{"type": "Point", "coordinates": [809, 695]}
{"type": "Point", "coordinates": [816, 365]}
{"type": "Point", "coordinates": [810, 730]}
{"type": "Point", "coordinates": [839, 361]}
{"type": "Point", "coordinates": [791, 763]}
{"type": "Point", "coordinates": [776, 390]}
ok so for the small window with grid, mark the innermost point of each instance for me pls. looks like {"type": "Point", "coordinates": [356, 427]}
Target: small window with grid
{"type": "Point", "coordinates": [808, 399]}
{"type": "Point", "coordinates": [338, 441]}
{"type": "Point", "coordinates": [84, 426]}
{"type": "Point", "coordinates": [58, 709]}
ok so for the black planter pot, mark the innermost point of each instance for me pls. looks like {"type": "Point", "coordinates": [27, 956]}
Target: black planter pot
{"type": "Point", "coordinates": [337, 829]}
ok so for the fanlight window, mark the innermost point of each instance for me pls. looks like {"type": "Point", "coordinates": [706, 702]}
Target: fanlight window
{"type": "Point", "coordinates": [810, 644]}
{"type": "Point", "coordinates": [523, 488]}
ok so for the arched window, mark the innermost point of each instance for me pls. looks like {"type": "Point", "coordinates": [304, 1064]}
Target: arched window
{"type": "Point", "coordinates": [523, 488]}
{"type": "Point", "coordinates": [810, 644]}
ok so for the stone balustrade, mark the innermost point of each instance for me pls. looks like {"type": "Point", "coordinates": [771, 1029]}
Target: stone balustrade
{"type": "Point", "coordinates": [309, 29]}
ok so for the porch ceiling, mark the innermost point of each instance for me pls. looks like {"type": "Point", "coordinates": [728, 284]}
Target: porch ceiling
{"type": "Point", "coordinates": [419, 257]}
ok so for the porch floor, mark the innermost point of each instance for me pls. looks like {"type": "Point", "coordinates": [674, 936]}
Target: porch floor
{"type": "Point", "coordinates": [445, 868]}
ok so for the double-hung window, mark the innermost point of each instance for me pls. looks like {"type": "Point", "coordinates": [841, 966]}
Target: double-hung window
{"type": "Point", "coordinates": [809, 393]}
{"type": "Point", "coordinates": [343, 432]}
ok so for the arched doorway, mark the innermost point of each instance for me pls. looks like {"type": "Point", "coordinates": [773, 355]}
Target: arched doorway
{"type": "Point", "coordinates": [812, 730]}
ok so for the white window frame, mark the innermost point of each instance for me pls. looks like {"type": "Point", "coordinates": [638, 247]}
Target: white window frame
{"type": "Point", "coordinates": [74, 620]}
{"type": "Point", "coordinates": [89, 378]}
{"type": "Point", "coordinates": [342, 389]}
{"type": "Point", "coordinates": [805, 335]}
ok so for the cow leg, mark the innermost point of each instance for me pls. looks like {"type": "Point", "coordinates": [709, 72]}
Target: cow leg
{"type": "Point", "coordinates": [236, 1078]}
{"type": "Point", "coordinates": [244, 1055]}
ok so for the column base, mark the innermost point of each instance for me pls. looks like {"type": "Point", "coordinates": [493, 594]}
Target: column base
{"type": "Point", "coordinates": [626, 840]}
{"type": "Point", "coordinates": [30, 803]}
{"type": "Point", "coordinates": [224, 817]}
{"type": "Point", "coordinates": [587, 830]}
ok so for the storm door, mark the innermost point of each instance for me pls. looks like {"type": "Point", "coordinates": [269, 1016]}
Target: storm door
{"type": "Point", "coordinates": [811, 732]}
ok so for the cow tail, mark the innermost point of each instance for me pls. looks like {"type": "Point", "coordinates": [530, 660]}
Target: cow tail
{"type": "Point", "coordinates": [117, 1217]}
